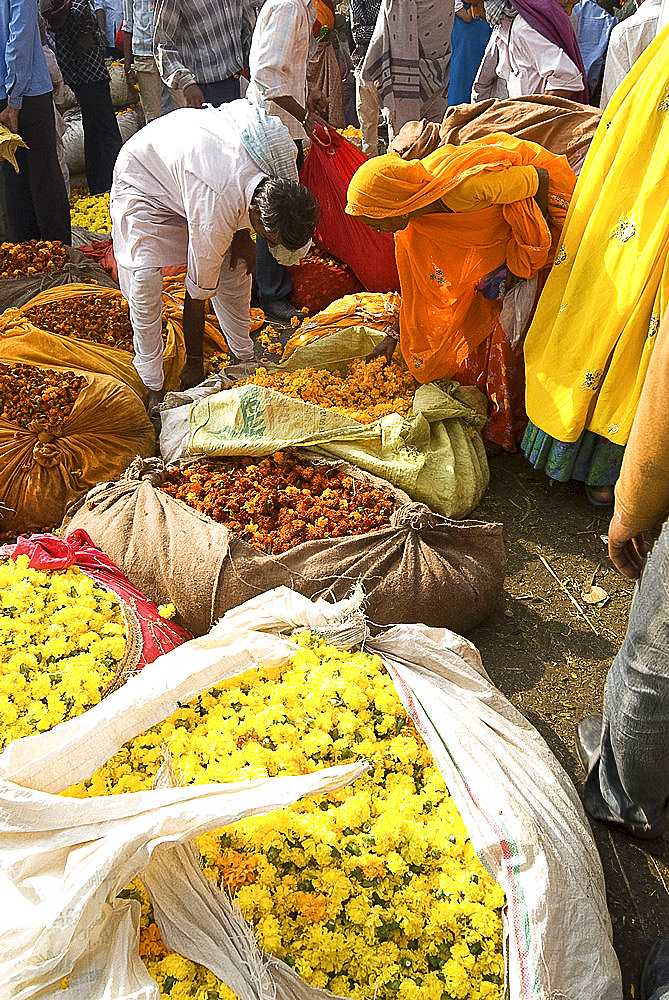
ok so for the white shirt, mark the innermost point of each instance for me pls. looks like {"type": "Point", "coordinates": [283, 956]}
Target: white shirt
{"type": "Point", "coordinates": [182, 187]}
{"type": "Point", "coordinates": [628, 41]}
{"type": "Point", "coordinates": [524, 62]}
{"type": "Point", "coordinates": [280, 51]}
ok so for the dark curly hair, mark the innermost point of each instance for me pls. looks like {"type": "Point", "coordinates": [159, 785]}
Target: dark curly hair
{"type": "Point", "coordinates": [288, 210]}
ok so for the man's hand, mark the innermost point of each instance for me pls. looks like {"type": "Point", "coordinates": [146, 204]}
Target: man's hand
{"type": "Point", "coordinates": [311, 121]}
{"type": "Point", "coordinates": [384, 350]}
{"type": "Point", "coordinates": [130, 75]}
{"type": "Point", "coordinates": [627, 552]}
{"type": "Point", "coordinates": [192, 373]}
{"type": "Point", "coordinates": [243, 249]}
{"type": "Point", "coordinates": [10, 119]}
{"type": "Point", "coordinates": [193, 96]}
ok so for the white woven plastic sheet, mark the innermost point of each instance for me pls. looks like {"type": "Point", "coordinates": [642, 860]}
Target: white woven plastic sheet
{"type": "Point", "coordinates": [62, 861]}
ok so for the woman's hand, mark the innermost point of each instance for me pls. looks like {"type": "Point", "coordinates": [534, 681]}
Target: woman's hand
{"type": "Point", "coordinates": [384, 350]}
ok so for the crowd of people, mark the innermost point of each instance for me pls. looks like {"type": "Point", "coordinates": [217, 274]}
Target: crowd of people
{"type": "Point", "coordinates": [518, 150]}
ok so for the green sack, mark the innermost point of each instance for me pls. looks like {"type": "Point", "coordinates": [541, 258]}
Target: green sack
{"type": "Point", "coordinates": [435, 454]}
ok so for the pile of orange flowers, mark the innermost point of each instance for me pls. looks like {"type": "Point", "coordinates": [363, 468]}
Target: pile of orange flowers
{"type": "Point", "coordinates": [101, 319]}
{"type": "Point", "coordinates": [320, 279]}
{"type": "Point", "coordinates": [30, 394]}
{"type": "Point", "coordinates": [31, 257]}
{"type": "Point", "coordinates": [369, 391]}
{"type": "Point", "coordinates": [278, 502]}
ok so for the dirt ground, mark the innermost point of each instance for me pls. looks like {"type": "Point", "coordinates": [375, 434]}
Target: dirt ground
{"type": "Point", "coordinates": [551, 662]}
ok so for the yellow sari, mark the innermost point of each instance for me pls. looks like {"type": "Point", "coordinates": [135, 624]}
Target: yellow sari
{"type": "Point", "coordinates": [588, 348]}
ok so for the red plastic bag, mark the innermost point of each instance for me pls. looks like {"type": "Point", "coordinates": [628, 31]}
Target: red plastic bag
{"type": "Point", "coordinates": [327, 172]}
{"type": "Point", "coordinates": [49, 552]}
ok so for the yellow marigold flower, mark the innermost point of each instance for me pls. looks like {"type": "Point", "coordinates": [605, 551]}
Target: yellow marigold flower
{"type": "Point", "coordinates": [373, 890]}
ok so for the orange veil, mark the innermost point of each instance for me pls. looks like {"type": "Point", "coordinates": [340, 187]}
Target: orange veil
{"type": "Point", "coordinates": [441, 256]}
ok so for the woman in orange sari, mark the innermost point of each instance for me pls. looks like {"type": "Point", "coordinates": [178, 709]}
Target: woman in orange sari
{"type": "Point", "coordinates": [469, 221]}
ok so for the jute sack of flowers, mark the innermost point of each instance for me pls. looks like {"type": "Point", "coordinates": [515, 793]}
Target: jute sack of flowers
{"type": "Point", "coordinates": [89, 328]}
{"type": "Point", "coordinates": [518, 806]}
{"type": "Point", "coordinates": [421, 567]}
{"type": "Point", "coordinates": [42, 265]}
{"type": "Point", "coordinates": [61, 431]}
{"type": "Point", "coordinates": [435, 453]}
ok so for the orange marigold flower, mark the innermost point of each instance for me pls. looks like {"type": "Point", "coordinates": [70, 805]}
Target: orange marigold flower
{"type": "Point", "coordinates": [150, 943]}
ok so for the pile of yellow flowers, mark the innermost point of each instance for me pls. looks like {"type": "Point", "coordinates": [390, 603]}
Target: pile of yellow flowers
{"type": "Point", "coordinates": [372, 891]}
{"type": "Point", "coordinates": [367, 392]}
{"type": "Point", "coordinates": [61, 639]}
{"type": "Point", "coordinates": [91, 212]}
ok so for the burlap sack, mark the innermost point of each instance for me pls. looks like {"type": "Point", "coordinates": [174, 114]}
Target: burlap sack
{"type": "Point", "coordinates": [21, 340]}
{"type": "Point", "coordinates": [423, 568]}
{"type": "Point", "coordinates": [17, 291]}
{"type": "Point", "coordinates": [45, 467]}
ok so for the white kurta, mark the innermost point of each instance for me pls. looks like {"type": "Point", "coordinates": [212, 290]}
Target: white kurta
{"type": "Point", "coordinates": [519, 61]}
{"type": "Point", "coordinates": [628, 41]}
{"type": "Point", "coordinates": [182, 188]}
{"type": "Point", "coordinates": [280, 51]}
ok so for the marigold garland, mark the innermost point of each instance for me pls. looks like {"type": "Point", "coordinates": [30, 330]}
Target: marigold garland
{"type": "Point", "coordinates": [370, 891]}
{"type": "Point", "coordinates": [31, 257]}
{"type": "Point", "coordinates": [369, 391]}
{"type": "Point", "coordinates": [61, 639]}
{"type": "Point", "coordinates": [37, 396]}
{"type": "Point", "coordinates": [278, 502]}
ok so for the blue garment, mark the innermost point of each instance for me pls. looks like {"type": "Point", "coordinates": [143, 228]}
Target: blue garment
{"type": "Point", "coordinates": [591, 459]}
{"type": "Point", "coordinates": [138, 21]}
{"type": "Point", "coordinates": [468, 42]}
{"type": "Point", "coordinates": [629, 782]}
{"type": "Point", "coordinates": [594, 28]}
{"type": "Point", "coordinates": [23, 69]}
{"type": "Point", "coordinates": [266, 139]}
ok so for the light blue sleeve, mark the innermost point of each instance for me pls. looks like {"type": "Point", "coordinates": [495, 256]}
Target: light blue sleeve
{"type": "Point", "coordinates": [22, 51]}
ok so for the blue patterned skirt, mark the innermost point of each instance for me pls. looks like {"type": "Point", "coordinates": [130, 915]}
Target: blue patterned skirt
{"type": "Point", "coordinates": [591, 459]}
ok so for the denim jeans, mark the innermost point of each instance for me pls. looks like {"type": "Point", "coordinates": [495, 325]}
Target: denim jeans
{"type": "Point", "coordinates": [629, 784]}
{"type": "Point", "coordinates": [274, 281]}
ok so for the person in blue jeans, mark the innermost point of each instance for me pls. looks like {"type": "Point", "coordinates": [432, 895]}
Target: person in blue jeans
{"type": "Point", "coordinates": [625, 751]}
{"type": "Point", "coordinates": [655, 975]}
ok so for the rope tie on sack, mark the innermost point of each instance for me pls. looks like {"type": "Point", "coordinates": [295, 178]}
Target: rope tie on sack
{"type": "Point", "coordinates": [152, 470]}
{"type": "Point", "coordinates": [415, 516]}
